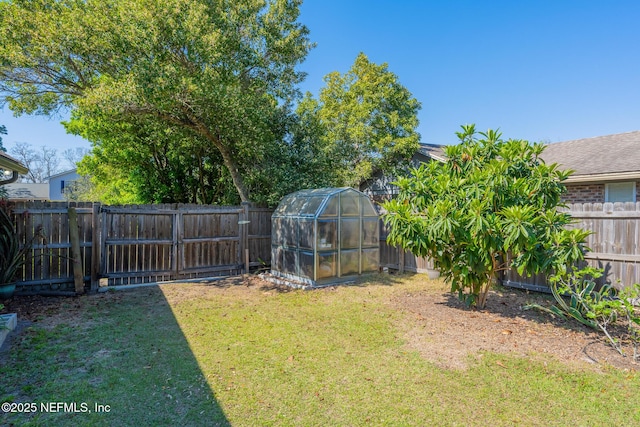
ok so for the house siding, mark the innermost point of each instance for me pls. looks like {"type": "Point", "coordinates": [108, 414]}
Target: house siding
{"type": "Point", "coordinates": [55, 184]}
{"type": "Point", "coordinates": [589, 193]}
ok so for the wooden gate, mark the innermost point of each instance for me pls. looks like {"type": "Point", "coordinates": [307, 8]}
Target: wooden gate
{"type": "Point", "coordinates": [164, 242]}
{"type": "Point", "coordinates": [128, 245]}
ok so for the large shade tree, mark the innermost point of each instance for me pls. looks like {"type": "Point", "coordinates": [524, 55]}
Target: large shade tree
{"type": "Point", "coordinates": [366, 122]}
{"type": "Point", "coordinates": [221, 73]}
{"type": "Point", "coordinates": [491, 207]}
{"type": "Point", "coordinates": [148, 162]}
{"type": "Point", "coordinates": [3, 131]}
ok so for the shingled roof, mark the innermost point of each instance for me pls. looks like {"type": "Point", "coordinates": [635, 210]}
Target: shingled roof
{"type": "Point", "coordinates": [9, 163]}
{"type": "Point", "coordinates": [604, 158]}
{"type": "Point", "coordinates": [433, 151]}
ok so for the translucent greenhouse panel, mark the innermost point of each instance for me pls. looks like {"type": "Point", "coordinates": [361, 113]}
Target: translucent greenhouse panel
{"type": "Point", "coordinates": [288, 228]}
{"type": "Point", "coordinates": [327, 265]}
{"type": "Point", "coordinates": [290, 262]}
{"type": "Point", "coordinates": [367, 208]}
{"type": "Point", "coordinates": [282, 207]}
{"type": "Point", "coordinates": [312, 205]}
{"type": "Point", "coordinates": [370, 232]}
{"type": "Point", "coordinates": [349, 263]}
{"type": "Point", "coordinates": [277, 257]}
{"type": "Point", "coordinates": [305, 233]}
{"type": "Point", "coordinates": [277, 238]}
{"type": "Point", "coordinates": [295, 205]}
{"type": "Point", "coordinates": [370, 260]}
{"type": "Point", "coordinates": [350, 203]}
{"type": "Point", "coordinates": [306, 264]}
{"type": "Point", "coordinates": [327, 235]}
{"type": "Point", "coordinates": [331, 208]}
{"type": "Point", "coordinates": [350, 233]}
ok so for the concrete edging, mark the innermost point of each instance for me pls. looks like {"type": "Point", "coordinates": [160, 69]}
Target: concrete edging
{"type": "Point", "coordinates": [8, 323]}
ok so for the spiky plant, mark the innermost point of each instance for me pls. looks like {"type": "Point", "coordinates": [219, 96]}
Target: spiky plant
{"type": "Point", "coordinates": [12, 255]}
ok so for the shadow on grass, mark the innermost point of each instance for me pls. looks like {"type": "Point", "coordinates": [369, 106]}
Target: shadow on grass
{"type": "Point", "coordinates": [511, 303]}
{"type": "Point", "coordinates": [118, 358]}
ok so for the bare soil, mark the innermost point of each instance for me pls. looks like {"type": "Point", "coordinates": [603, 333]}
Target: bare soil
{"type": "Point", "coordinates": [447, 333]}
{"type": "Point", "coordinates": [434, 322]}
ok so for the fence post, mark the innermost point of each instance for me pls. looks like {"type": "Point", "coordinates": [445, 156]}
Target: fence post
{"type": "Point", "coordinates": [104, 219]}
{"type": "Point", "coordinates": [177, 240]}
{"type": "Point", "coordinates": [96, 246]}
{"type": "Point", "coordinates": [74, 237]}
{"type": "Point", "coordinates": [243, 230]}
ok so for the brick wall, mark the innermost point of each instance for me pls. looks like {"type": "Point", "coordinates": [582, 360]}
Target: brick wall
{"type": "Point", "coordinates": [589, 193]}
{"type": "Point", "coordinates": [584, 193]}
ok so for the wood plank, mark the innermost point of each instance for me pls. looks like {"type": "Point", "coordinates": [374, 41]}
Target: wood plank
{"type": "Point", "coordinates": [124, 242]}
{"type": "Point", "coordinates": [74, 237]}
{"type": "Point", "coordinates": [613, 257]}
{"type": "Point", "coordinates": [601, 214]}
{"type": "Point", "coordinates": [211, 239]}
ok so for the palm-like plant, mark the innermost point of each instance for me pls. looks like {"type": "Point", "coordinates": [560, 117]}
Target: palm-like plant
{"type": "Point", "coordinates": [12, 255]}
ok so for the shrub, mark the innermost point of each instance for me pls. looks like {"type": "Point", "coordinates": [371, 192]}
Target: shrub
{"type": "Point", "coordinates": [490, 207]}
{"type": "Point", "coordinates": [578, 296]}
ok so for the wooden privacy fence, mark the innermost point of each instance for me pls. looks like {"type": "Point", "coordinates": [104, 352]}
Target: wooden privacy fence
{"type": "Point", "coordinates": [396, 258]}
{"type": "Point", "coordinates": [49, 265]}
{"type": "Point", "coordinates": [138, 244]}
{"type": "Point", "coordinates": [125, 245]}
{"type": "Point", "coordinates": [614, 243]}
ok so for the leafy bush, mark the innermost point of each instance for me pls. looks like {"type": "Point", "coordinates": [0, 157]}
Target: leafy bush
{"type": "Point", "coordinates": [11, 255]}
{"type": "Point", "coordinates": [12, 252]}
{"type": "Point", "coordinates": [490, 207]}
{"type": "Point", "coordinates": [578, 296]}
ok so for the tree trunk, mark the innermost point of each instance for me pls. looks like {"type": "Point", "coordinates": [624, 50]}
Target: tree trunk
{"type": "Point", "coordinates": [238, 182]}
{"type": "Point", "coordinates": [228, 160]}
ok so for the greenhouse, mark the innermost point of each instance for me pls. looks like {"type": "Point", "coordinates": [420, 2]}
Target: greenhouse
{"type": "Point", "coordinates": [324, 236]}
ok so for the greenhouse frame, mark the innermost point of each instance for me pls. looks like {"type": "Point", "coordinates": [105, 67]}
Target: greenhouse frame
{"type": "Point", "coordinates": [325, 236]}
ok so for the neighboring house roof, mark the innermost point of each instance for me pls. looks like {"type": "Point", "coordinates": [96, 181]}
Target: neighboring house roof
{"type": "Point", "coordinates": [69, 172]}
{"type": "Point", "coordinates": [603, 158]}
{"type": "Point", "coordinates": [27, 191]}
{"type": "Point", "coordinates": [9, 163]}
{"type": "Point", "coordinates": [433, 151]}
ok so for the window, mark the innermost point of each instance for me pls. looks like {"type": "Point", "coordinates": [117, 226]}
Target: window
{"type": "Point", "coordinates": [62, 186]}
{"type": "Point", "coordinates": [620, 192]}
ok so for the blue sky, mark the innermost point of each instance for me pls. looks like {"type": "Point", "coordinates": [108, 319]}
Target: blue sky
{"type": "Point", "coordinates": [539, 70]}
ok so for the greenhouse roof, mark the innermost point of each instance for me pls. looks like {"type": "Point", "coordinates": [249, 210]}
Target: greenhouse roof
{"type": "Point", "coordinates": [321, 202]}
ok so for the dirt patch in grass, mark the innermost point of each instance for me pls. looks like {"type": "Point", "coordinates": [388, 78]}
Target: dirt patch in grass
{"type": "Point", "coordinates": [445, 332]}
{"type": "Point", "coordinates": [432, 320]}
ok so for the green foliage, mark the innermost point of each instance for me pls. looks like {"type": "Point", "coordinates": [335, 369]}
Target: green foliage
{"type": "Point", "coordinates": [12, 250]}
{"type": "Point", "coordinates": [215, 79]}
{"type": "Point", "coordinates": [579, 297]}
{"type": "Point", "coordinates": [492, 206]}
{"type": "Point", "coordinates": [3, 131]}
{"type": "Point", "coordinates": [144, 162]}
{"type": "Point", "coordinates": [365, 121]}
{"type": "Point", "coordinates": [11, 257]}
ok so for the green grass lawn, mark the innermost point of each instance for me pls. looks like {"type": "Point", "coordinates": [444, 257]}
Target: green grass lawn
{"type": "Point", "coordinates": [185, 354]}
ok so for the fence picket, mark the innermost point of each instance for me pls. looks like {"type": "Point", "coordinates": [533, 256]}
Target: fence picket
{"type": "Point", "coordinates": [613, 243]}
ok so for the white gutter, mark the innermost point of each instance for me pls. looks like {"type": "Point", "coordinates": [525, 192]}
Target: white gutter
{"type": "Point", "coordinates": [604, 177]}
{"type": "Point", "coordinates": [10, 164]}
